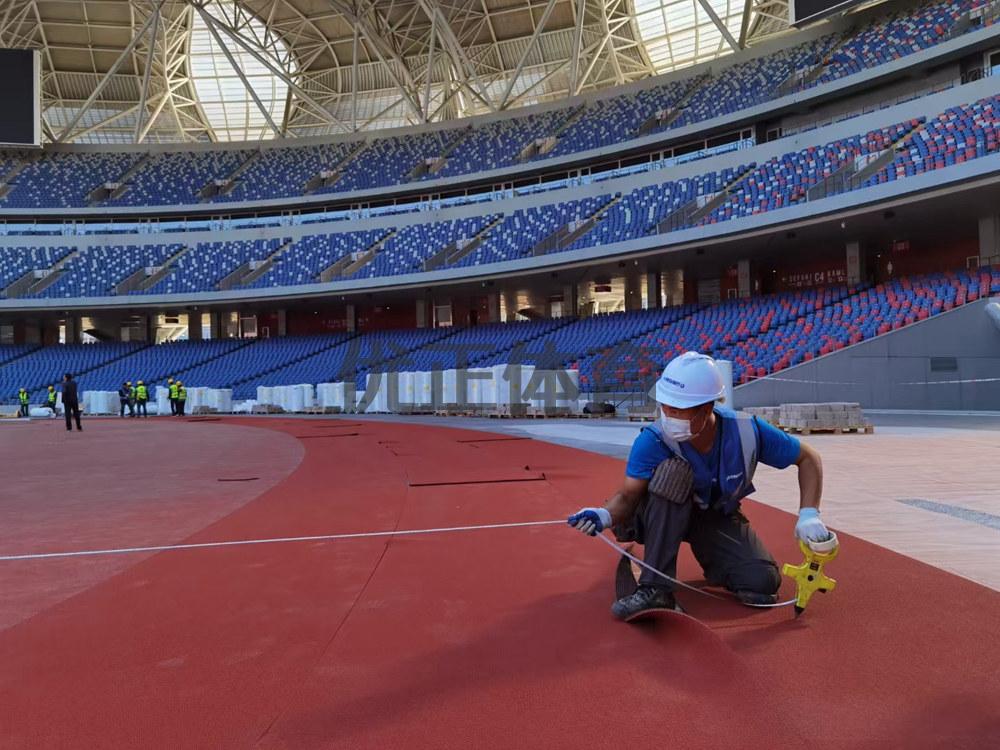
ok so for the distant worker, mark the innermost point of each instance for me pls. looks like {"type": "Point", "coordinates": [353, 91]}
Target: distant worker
{"type": "Point", "coordinates": [71, 402]}
{"type": "Point", "coordinates": [131, 399]}
{"type": "Point", "coordinates": [141, 397]}
{"type": "Point", "coordinates": [50, 401]}
{"type": "Point", "coordinates": [182, 395]}
{"type": "Point", "coordinates": [684, 481]}
{"type": "Point", "coordinates": [23, 402]}
{"type": "Point", "coordinates": [172, 393]}
{"type": "Point", "coordinates": [123, 396]}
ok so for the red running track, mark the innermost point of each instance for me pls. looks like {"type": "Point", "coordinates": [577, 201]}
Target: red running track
{"type": "Point", "coordinates": [487, 639]}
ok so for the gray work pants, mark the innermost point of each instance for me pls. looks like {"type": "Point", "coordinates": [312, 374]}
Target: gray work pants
{"type": "Point", "coordinates": [725, 546]}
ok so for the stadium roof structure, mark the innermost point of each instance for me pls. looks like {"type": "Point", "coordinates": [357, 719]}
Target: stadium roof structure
{"type": "Point", "coordinates": [153, 71]}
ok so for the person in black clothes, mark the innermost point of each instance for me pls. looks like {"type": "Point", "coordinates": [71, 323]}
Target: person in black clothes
{"type": "Point", "coordinates": [71, 402]}
{"type": "Point", "coordinates": [123, 398]}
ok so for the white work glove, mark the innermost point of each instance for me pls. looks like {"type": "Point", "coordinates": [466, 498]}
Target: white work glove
{"type": "Point", "coordinates": [810, 528]}
{"type": "Point", "coordinates": [590, 521]}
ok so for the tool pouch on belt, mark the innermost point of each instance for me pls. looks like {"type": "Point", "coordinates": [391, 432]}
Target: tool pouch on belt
{"type": "Point", "coordinates": [673, 481]}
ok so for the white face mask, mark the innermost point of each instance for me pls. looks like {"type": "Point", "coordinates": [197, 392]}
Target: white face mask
{"type": "Point", "coordinates": [676, 429]}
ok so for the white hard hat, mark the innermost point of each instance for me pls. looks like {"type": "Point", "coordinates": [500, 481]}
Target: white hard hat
{"type": "Point", "coordinates": [690, 380]}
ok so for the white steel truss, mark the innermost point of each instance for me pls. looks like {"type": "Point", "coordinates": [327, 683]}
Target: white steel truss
{"type": "Point", "coordinates": [350, 65]}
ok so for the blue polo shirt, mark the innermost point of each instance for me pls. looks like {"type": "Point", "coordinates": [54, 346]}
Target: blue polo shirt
{"type": "Point", "coordinates": [774, 448]}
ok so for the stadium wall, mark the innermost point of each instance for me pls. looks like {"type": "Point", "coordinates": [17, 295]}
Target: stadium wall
{"type": "Point", "coordinates": [950, 361]}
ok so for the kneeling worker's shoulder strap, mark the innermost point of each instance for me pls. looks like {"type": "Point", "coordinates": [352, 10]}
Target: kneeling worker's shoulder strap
{"type": "Point", "coordinates": [748, 441]}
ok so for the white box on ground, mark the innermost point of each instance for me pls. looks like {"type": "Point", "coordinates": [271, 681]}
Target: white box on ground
{"type": "Point", "coordinates": [376, 387]}
{"type": "Point", "coordinates": [406, 388]}
{"type": "Point", "coordinates": [423, 387]}
{"type": "Point", "coordinates": [309, 394]}
{"type": "Point", "coordinates": [162, 400]}
{"type": "Point", "coordinates": [449, 387]}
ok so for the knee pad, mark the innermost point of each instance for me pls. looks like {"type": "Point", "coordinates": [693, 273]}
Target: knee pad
{"type": "Point", "coordinates": [673, 481]}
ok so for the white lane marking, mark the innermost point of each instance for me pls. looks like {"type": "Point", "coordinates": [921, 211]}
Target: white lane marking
{"type": "Point", "coordinates": [274, 540]}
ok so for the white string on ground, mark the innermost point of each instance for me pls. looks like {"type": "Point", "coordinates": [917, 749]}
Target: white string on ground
{"type": "Point", "coordinates": [356, 535]}
{"type": "Point", "coordinates": [951, 382]}
{"type": "Point", "coordinates": [779, 379]}
{"type": "Point", "coordinates": [798, 380]}
{"type": "Point", "coordinates": [703, 592]}
{"type": "Point", "coordinates": [273, 540]}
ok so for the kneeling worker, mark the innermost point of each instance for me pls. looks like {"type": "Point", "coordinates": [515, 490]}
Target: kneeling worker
{"type": "Point", "coordinates": [684, 481]}
{"type": "Point", "coordinates": [141, 397]}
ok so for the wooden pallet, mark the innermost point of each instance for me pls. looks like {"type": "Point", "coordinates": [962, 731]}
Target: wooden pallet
{"type": "Point", "coordinates": [641, 418]}
{"type": "Point", "coordinates": [863, 430]}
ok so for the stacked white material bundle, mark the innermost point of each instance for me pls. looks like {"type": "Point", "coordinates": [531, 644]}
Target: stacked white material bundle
{"type": "Point", "coordinates": [839, 415]}
{"type": "Point", "coordinates": [332, 395]}
{"type": "Point", "coordinates": [195, 399]}
{"type": "Point", "coordinates": [406, 389]}
{"type": "Point", "coordinates": [162, 400]}
{"type": "Point", "coordinates": [100, 402]}
{"type": "Point", "coordinates": [283, 397]}
{"type": "Point", "coordinates": [480, 387]}
{"type": "Point", "coordinates": [423, 389]}
{"type": "Point", "coordinates": [219, 399]}
{"type": "Point", "coordinates": [449, 387]}
{"type": "Point", "coordinates": [295, 399]}
{"type": "Point", "coordinates": [568, 390]}
{"type": "Point", "coordinates": [377, 388]}
{"type": "Point", "coordinates": [308, 393]}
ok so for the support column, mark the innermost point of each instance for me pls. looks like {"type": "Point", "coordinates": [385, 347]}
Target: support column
{"type": "Point", "coordinates": [743, 288]}
{"type": "Point", "coordinates": [509, 304]}
{"type": "Point", "coordinates": [72, 324]}
{"type": "Point", "coordinates": [633, 292]}
{"type": "Point", "coordinates": [571, 300]}
{"type": "Point", "coordinates": [654, 290]}
{"type": "Point", "coordinates": [421, 305]}
{"type": "Point", "coordinates": [352, 319]}
{"type": "Point", "coordinates": [215, 324]}
{"type": "Point", "coordinates": [29, 333]}
{"type": "Point", "coordinates": [493, 307]}
{"type": "Point", "coordinates": [673, 287]}
{"type": "Point", "coordinates": [989, 240]}
{"type": "Point", "coordinates": [282, 322]}
{"type": "Point", "coordinates": [194, 326]}
{"type": "Point", "coordinates": [855, 263]}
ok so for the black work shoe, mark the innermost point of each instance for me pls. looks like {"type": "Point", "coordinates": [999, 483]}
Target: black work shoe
{"type": "Point", "coordinates": [645, 600]}
{"type": "Point", "coordinates": [755, 599]}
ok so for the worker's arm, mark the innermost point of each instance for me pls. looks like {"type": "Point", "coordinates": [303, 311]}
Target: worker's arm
{"type": "Point", "coordinates": [617, 509]}
{"type": "Point", "coordinates": [810, 467]}
{"type": "Point", "coordinates": [623, 503]}
{"type": "Point", "coordinates": [810, 528]}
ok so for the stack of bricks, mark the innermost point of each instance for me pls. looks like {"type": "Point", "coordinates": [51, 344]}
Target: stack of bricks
{"type": "Point", "coordinates": [770, 414]}
{"type": "Point", "coordinates": [822, 417]}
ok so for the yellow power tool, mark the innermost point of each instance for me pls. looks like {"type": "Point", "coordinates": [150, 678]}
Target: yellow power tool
{"type": "Point", "coordinates": [809, 576]}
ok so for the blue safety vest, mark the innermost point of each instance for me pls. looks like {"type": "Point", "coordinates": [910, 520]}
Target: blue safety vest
{"type": "Point", "coordinates": [737, 457]}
